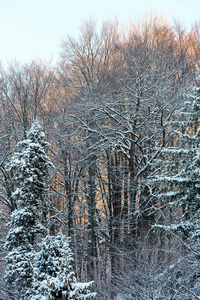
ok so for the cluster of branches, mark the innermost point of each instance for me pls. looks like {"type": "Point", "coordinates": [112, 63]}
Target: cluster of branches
{"type": "Point", "coordinates": [112, 107]}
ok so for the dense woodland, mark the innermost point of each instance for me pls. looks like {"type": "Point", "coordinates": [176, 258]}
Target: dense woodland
{"type": "Point", "coordinates": [121, 165]}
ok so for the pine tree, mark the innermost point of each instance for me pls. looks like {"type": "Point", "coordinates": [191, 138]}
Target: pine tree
{"type": "Point", "coordinates": [30, 166]}
{"type": "Point", "coordinates": [53, 274]}
{"type": "Point", "coordinates": [179, 194]}
{"type": "Point", "coordinates": [180, 173]}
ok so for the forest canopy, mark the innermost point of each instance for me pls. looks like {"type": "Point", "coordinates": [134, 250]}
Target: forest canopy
{"type": "Point", "coordinates": [103, 147]}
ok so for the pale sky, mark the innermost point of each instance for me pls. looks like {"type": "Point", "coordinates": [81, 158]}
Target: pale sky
{"type": "Point", "coordinates": [34, 28]}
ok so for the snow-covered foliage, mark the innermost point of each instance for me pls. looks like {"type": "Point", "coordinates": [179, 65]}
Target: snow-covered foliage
{"type": "Point", "coordinates": [179, 166]}
{"type": "Point", "coordinates": [29, 167]}
{"type": "Point", "coordinates": [53, 274]}
{"type": "Point", "coordinates": [179, 196]}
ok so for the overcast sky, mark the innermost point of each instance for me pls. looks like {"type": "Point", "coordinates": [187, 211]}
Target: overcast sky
{"type": "Point", "coordinates": [34, 28]}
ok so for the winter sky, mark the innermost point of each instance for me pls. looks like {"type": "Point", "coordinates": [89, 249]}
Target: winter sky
{"type": "Point", "coordinates": [34, 28]}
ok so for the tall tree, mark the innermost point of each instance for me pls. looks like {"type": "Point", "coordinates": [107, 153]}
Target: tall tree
{"type": "Point", "coordinates": [30, 167]}
{"type": "Point", "coordinates": [179, 195]}
{"type": "Point", "coordinates": [179, 170]}
{"type": "Point", "coordinates": [85, 69]}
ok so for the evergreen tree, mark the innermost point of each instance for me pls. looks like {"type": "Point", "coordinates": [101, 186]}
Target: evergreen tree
{"type": "Point", "coordinates": [53, 274]}
{"type": "Point", "coordinates": [179, 176]}
{"type": "Point", "coordinates": [30, 166]}
{"type": "Point", "coordinates": [179, 194]}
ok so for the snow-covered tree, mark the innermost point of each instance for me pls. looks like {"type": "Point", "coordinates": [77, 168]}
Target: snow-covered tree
{"type": "Point", "coordinates": [179, 194]}
{"type": "Point", "coordinates": [179, 173]}
{"type": "Point", "coordinates": [53, 274]}
{"type": "Point", "coordinates": [30, 167]}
